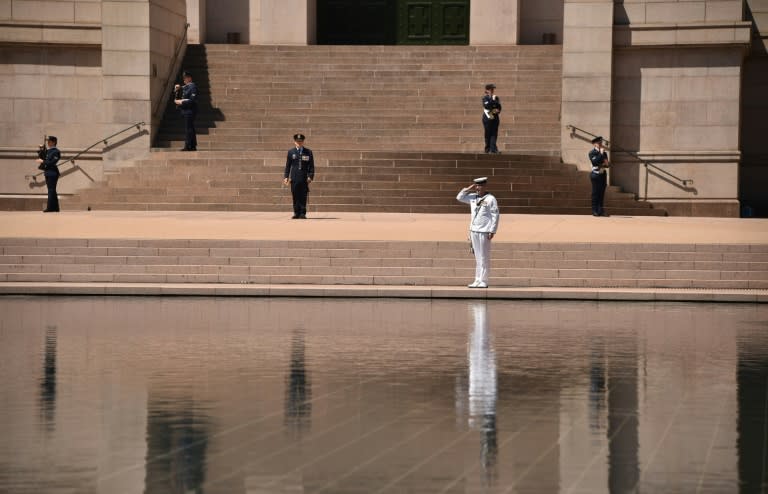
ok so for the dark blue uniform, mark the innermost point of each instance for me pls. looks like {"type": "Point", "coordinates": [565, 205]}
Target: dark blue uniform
{"type": "Point", "coordinates": [188, 110]}
{"type": "Point", "coordinates": [299, 167]}
{"type": "Point", "coordinates": [599, 180]}
{"type": "Point", "coordinates": [492, 108]}
{"type": "Point", "coordinates": [51, 173]}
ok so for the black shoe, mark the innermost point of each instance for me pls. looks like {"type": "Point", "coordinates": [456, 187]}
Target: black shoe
{"type": "Point", "coordinates": [303, 216]}
{"type": "Point", "coordinates": [604, 214]}
{"type": "Point", "coordinates": [50, 210]}
{"type": "Point", "coordinates": [595, 214]}
{"type": "Point", "coordinates": [295, 217]}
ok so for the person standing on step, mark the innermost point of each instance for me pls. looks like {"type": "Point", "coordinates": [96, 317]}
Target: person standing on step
{"type": "Point", "coordinates": [484, 212]}
{"type": "Point", "coordinates": [491, 111]}
{"type": "Point", "coordinates": [187, 105]}
{"type": "Point", "coordinates": [598, 156]}
{"type": "Point", "coordinates": [299, 173]}
{"type": "Point", "coordinates": [50, 168]}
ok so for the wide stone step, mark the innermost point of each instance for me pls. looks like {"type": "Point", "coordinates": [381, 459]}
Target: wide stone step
{"type": "Point", "coordinates": [381, 263]}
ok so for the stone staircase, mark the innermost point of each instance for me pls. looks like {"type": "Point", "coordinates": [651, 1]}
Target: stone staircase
{"type": "Point", "coordinates": [362, 181]}
{"type": "Point", "coordinates": [393, 128]}
{"type": "Point", "coordinates": [379, 263]}
{"type": "Point", "coordinates": [384, 98]}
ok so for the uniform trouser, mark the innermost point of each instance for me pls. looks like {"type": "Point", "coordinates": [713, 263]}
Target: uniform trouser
{"type": "Point", "coordinates": [53, 198]}
{"type": "Point", "coordinates": [481, 244]}
{"type": "Point", "coordinates": [300, 191]}
{"type": "Point", "coordinates": [599, 183]}
{"type": "Point", "coordinates": [190, 135]}
{"type": "Point", "coordinates": [491, 133]}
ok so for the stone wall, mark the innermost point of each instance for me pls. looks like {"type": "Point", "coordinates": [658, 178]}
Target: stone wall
{"type": "Point", "coordinates": [538, 18]}
{"type": "Point", "coordinates": [81, 70]}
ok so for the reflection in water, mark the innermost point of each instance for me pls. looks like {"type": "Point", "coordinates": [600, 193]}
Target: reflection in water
{"type": "Point", "coordinates": [482, 389]}
{"type": "Point", "coordinates": [177, 442]}
{"type": "Point", "coordinates": [298, 388]}
{"type": "Point", "coordinates": [549, 396]}
{"type": "Point", "coordinates": [752, 379]}
{"type": "Point", "coordinates": [623, 421]}
{"type": "Point", "coordinates": [597, 384]}
{"type": "Point", "coordinates": [48, 381]}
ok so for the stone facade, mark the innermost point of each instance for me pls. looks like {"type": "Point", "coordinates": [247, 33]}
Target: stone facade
{"type": "Point", "coordinates": [679, 83]}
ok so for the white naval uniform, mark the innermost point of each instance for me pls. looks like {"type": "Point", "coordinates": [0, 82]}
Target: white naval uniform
{"type": "Point", "coordinates": [484, 220]}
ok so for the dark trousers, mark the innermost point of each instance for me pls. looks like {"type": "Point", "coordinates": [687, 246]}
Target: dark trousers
{"type": "Point", "coordinates": [190, 135]}
{"type": "Point", "coordinates": [53, 198]}
{"type": "Point", "coordinates": [300, 191]}
{"type": "Point", "coordinates": [491, 133]}
{"type": "Point", "coordinates": [599, 183]}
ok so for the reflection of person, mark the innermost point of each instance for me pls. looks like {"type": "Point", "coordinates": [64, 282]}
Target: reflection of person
{"type": "Point", "coordinates": [187, 105]}
{"type": "Point", "coordinates": [598, 156]}
{"type": "Point", "coordinates": [299, 172]}
{"type": "Point", "coordinates": [484, 211]}
{"type": "Point", "coordinates": [482, 386]}
{"type": "Point", "coordinates": [50, 168]}
{"type": "Point", "coordinates": [491, 110]}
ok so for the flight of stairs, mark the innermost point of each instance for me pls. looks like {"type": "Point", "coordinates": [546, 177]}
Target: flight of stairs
{"type": "Point", "coordinates": [377, 263]}
{"type": "Point", "coordinates": [393, 129]}
{"type": "Point", "coordinates": [385, 98]}
{"type": "Point", "coordinates": [363, 181]}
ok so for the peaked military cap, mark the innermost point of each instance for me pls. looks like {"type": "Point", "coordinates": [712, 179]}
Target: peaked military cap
{"type": "Point", "coordinates": [481, 180]}
{"type": "Point", "coordinates": [490, 86]}
{"type": "Point", "coordinates": [597, 139]}
{"type": "Point", "coordinates": [298, 137]}
{"type": "Point", "coordinates": [52, 138]}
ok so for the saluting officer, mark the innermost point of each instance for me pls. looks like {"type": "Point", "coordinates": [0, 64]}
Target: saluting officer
{"type": "Point", "coordinates": [491, 110]}
{"type": "Point", "coordinates": [299, 172]}
{"type": "Point", "coordinates": [482, 227]}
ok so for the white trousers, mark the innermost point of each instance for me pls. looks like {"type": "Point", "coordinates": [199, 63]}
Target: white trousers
{"type": "Point", "coordinates": [481, 244]}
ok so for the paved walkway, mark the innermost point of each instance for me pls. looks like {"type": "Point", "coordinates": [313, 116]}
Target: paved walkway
{"type": "Point", "coordinates": [381, 226]}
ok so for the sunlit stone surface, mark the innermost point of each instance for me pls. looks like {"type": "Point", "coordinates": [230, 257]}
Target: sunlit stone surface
{"type": "Point", "coordinates": [254, 395]}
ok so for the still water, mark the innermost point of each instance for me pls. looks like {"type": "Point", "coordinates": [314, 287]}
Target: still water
{"type": "Point", "coordinates": [257, 395]}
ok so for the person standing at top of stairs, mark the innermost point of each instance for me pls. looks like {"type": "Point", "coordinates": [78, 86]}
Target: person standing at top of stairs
{"type": "Point", "coordinates": [491, 110]}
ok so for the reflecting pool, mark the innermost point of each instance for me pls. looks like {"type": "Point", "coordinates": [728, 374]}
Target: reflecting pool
{"type": "Point", "coordinates": [258, 395]}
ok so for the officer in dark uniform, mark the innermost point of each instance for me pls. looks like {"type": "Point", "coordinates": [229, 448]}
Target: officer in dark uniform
{"type": "Point", "coordinates": [491, 110]}
{"type": "Point", "coordinates": [50, 168]}
{"type": "Point", "coordinates": [598, 156]}
{"type": "Point", "coordinates": [299, 172]}
{"type": "Point", "coordinates": [187, 105]}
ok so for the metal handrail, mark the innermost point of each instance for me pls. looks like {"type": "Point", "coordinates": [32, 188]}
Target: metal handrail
{"type": "Point", "coordinates": [171, 72]}
{"type": "Point", "coordinates": [685, 182]}
{"type": "Point", "coordinates": [137, 125]}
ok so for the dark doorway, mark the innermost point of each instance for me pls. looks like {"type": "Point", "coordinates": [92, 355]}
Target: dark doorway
{"type": "Point", "coordinates": [356, 22]}
{"type": "Point", "coordinates": [389, 22]}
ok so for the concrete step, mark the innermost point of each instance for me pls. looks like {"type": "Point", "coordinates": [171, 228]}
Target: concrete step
{"type": "Point", "coordinates": [382, 263]}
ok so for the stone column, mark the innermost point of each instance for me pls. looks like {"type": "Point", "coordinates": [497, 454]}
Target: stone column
{"type": "Point", "coordinates": [587, 66]}
{"type": "Point", "coordinates": [126, 74]}
{"type": "Point", "coordinates": [492, 22]}
{"type": "Point", "coordinates": [196, 18]}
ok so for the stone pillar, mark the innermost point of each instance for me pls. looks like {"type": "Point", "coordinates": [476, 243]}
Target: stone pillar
{"type": "Point", "coordinates": [587, 66]}
{"type": "Point", "coordinates": [492, 22]}
{"type": "Point", "coordinates": [139, 41]}
{"type": "Point", "coordinates": [126, 74]}
{"type": "Point", "coordinates": [196, 17]}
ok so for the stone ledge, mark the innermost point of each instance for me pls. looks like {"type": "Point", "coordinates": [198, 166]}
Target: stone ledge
{"type": "Point", "coordinates": [69, 34]}
{"type": "Point", "coordinates": [727, 33]}
{"type": "Point", "coordinates": [399, 291]}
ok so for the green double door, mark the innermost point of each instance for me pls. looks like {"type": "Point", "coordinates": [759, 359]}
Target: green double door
{"type": "Point", "coordinates": [389, 22]}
